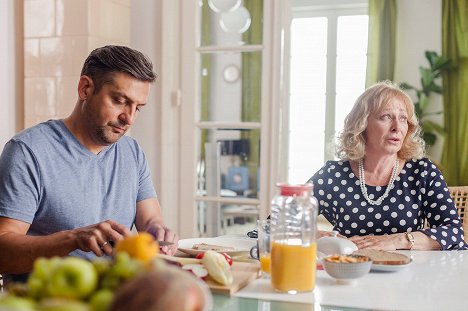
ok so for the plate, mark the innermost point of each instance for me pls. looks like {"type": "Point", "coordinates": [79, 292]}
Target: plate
{"type": "Point", "coordinates": [240, 245]}
{"type": "Point", "coordinates": [388, 268]}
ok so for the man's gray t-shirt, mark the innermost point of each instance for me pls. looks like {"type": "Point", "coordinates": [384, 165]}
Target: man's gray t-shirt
{"type": "Point", "coordinates": [51, 181]}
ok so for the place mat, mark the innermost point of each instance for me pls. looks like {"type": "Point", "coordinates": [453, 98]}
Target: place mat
{"type": "Point", "coordinates": [261, 289]}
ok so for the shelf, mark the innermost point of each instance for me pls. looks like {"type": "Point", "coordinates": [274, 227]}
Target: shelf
{"type": "Point", "coordinates": [229, 125]}
{"type": "Point", "coordinates": [230, 49]}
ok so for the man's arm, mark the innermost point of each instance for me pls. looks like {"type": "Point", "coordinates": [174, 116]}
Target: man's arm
{"type": "Point", "coordinates": [149, 218]}
{"type": "Point", "coordinates": [20, 250]}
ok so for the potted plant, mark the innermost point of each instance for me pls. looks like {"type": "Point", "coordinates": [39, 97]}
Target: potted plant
{"type": "Point", "coordinates": [429, 77]}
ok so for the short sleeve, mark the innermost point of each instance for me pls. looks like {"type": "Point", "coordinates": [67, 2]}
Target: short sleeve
{"type": "Point", "coordinates": [320, 180]}
{"type": "Point", "coordinates": [20, 182]}
{"type": "Point", "coordinates": [145, 183]}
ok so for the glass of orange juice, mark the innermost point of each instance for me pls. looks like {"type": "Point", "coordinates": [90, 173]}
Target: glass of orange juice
{"type": "Point", "coordinates": [264, 251]}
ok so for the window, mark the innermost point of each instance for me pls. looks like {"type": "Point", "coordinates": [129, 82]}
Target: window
{"type": "Point", "coordinates": [327, 74]}
{"type": "Point", "coordinates": [227, 113]}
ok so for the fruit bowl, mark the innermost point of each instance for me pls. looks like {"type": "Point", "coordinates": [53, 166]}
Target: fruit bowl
{"type": "Point", "coordinates": [346, 268]}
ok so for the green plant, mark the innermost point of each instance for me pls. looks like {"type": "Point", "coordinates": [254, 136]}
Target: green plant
{"type": "Point", "coordinates": [429, 77]}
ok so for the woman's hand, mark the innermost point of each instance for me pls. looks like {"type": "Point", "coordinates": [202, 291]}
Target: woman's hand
{"type": "Point", "coordinates": [382, 242]}
{"type": "Point", "coordinates": [391, 242]}
{"type": "Point", "coordinates": [322, 234]}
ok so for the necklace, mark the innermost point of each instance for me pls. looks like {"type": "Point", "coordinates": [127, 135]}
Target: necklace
{"type": "Point", "coordinates": [362, 181]}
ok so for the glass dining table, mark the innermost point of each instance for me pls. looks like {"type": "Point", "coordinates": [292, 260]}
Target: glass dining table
{"type": "Point", "coordinates": [434, 280]}
{"type": "Point", "coordinates": [226, 303]}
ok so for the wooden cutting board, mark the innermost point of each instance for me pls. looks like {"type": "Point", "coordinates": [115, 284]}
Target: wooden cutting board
{"type": "Point", "coordinates": [243, 273]}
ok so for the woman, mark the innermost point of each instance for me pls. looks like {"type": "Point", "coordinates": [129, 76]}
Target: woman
{"type": "Point", "coordinates": [383, 189]}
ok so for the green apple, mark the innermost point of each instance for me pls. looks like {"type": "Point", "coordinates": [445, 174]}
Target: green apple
{"type": "Point", "coordinates": [43, 267]}
{"type": "Point", "coordinates": [101, 300]}
{"type": "Point", "coordinates": [14, 303]}
{"type": "Point", "coordinates": [36, 287]}
{"type": "Point", "coordinates": [73, 278]}
{"type": "Point", "coordinates": [42, 270]}
{"type": "Point", "coordinates": [102, 265]}
{"type": "Point", "coordinates": [61, 304]}
{"type": "Point", "coordinates": [123, 269]}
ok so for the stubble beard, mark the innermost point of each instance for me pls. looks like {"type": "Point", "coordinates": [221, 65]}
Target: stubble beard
{"type": "Point", "coordinates": [106, 135]}
{"type": "Point", "coordinates": [103, 134]}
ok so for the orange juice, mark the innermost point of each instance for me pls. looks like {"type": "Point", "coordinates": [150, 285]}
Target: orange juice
{"type": "Point", "coordinates": [265, 260]}
{"type": "Point", "coordinates": [293, 267]}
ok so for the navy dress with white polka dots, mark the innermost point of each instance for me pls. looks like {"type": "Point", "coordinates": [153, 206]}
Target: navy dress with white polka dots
{"type": "Point", "coordinates": [419, 193]}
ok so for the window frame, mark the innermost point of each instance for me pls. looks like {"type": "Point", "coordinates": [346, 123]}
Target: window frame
{"type": "Point", "coordinates": [331, 10]}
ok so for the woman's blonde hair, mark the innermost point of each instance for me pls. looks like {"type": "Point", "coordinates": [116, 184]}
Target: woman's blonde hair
{"type": "Point", "coordinates": [351, 141]}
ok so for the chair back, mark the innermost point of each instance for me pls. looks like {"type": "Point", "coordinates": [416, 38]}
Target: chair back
{"type": "Point", "coordinates": [460, 198]}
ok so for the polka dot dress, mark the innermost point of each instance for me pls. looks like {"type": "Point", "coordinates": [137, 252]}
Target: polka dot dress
{"type": "Point", "coordinates": [419, 193]}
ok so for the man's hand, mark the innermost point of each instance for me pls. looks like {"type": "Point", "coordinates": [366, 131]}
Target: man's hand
{"type": "Point", "coordinates": [162, 233]}
{"type": "Point", "coordinates": [100, 237]}
{"type": "Point", "coordinates": [149, 219]}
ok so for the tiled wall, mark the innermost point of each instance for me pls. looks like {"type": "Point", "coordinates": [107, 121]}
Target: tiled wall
{"type": "Point", "coordinates": [58, 35]}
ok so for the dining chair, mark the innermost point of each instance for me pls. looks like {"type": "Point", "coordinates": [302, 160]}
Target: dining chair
{"type": "Point", "coordinates": [460, 198]}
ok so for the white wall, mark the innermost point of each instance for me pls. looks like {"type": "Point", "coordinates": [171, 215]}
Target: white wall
{"type": "Point", "coordinates": [156, 128]}
{"type": "Point", "coordinates": [11, 104]}
{"type": "Point", "coordinates": [419, 30]}
{"type": "Point", "coordinates": [144, 37]}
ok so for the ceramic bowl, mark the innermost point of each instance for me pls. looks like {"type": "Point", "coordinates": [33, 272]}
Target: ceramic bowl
{"type": "Point", "coordinates": [335, 245]}
{"type": "Point", "coordinates": [347, 271]}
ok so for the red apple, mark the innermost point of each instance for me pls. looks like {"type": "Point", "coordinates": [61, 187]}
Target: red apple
{"type": "Point", "coordinates": [196, 269]}
{"type": "Point", "coordinates": [169, 288]}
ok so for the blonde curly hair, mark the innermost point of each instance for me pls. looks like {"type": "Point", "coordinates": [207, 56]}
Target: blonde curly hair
{"type": "Point", "coordinates": [351, 141]}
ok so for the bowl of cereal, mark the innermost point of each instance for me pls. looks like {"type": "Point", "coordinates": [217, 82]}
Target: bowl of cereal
{"type": "Point", "coordinates": [346, 267]}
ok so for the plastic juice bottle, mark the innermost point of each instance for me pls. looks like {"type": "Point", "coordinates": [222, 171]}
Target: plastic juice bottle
{"type": "Point", "coordinates": [300, 276]}
{"type": "Point", "coordinates": [293, 248]}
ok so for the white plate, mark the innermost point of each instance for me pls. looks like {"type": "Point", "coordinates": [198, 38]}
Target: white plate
{"type": "Point", "coordinates": [240, 245]}
{"type": "Point", "coordinates": [388, 268]}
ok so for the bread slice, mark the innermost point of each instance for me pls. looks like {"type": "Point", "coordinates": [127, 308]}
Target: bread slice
{"type": "Point", "coordinates": [211, 247]}
{"type": "Point", "coordinates": [383, 257]}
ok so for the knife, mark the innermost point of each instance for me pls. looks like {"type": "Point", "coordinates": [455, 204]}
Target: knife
{"type": "Point", "coordinates": [164, 243]}
{"type": "Point", "coordinates": [161, 243]}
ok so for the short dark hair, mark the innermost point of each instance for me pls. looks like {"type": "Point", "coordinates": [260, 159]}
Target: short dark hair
{"type": "Point", "coordinates": [102, 63]}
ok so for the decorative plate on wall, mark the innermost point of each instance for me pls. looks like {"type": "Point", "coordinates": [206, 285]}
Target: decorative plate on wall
{"type": "Point", "coordinates": [231, 73]}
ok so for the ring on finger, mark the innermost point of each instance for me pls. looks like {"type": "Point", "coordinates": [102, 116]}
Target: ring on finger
{"type": "Point", "coordinates": [104, 244]}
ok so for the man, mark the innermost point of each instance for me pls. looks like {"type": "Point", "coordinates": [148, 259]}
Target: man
{"type": "Point", "coordinates": [75, 186]}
